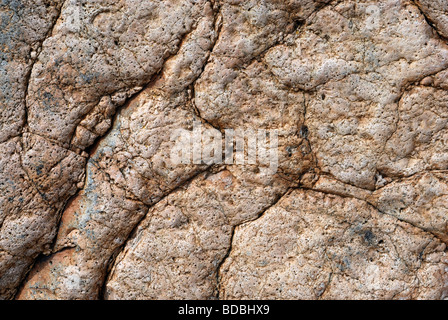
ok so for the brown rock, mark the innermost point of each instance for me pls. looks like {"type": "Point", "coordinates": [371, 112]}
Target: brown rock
{"type": "Point", "coordinates": [350, 96]}
{"type": "Point", "coordinates": [315, 246]}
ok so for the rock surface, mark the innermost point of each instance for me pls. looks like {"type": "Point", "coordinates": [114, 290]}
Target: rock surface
{"type": "Point", "coordinates": [350, 96]}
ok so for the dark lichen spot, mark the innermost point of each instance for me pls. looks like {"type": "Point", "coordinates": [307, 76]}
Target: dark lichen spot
{"type": "Point", "coordinates": [298, 23]}
{"type": "Point", "coordinates": [290, 150]}
{"type": "Point", "coordinates": [304, 132]}
{"type": "Point", "coordinates": [369, 237]}
{"type": "Point", "coordinates": [39, 169]}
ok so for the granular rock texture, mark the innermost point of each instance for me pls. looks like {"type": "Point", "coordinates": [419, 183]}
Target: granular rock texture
{"type": "Point", "coordinates": [351, 96]}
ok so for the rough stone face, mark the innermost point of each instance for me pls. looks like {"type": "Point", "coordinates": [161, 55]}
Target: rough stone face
{"type": "Point", "coordinates": [436, 11]}
{"type": "Point", "coordinates": [24, 24]}
{"type": "Point", "coordinates": [316, 246]}
{"type": "Point", "coordinates": [199, 220]}
{"type": "Point", "coordinates": [93, 205]}
{"type": "Point", "coordinates": [420, 201]}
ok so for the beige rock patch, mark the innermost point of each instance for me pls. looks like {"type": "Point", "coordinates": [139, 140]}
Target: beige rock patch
{"type": "Point", "coordinates": [93, 205]}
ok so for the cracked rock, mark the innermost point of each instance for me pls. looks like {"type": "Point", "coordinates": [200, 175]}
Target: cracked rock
{"type": "Point", "coordinates": [317, 246]}
{"type": "Point", "coordinates": [133, 160]}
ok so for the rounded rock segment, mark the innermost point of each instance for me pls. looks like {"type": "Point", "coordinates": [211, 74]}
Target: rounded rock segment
{"type": "Point", "coordinates": [317, 246]}
{"type": "Point", "coordinates": [421, 134]}
{"type": "Point", "coordinates": [356, 70]}
{"type": "Point", "coordinates": [436, 11]}
{"type": "Point", "coordinates": [37, 178]}
{"type": "Point", "coordinates": [24, 26]}
{"type": "Point", "coordinates": [128, 170]}
{"type": "Point", "coordinates": [94, 224]}
{"type": "Point", "coordinates": [177, 249]}
{"type": "Point", "coordinates": [420, 200]}
{"type": "Point", "coordinates": [100, 53]}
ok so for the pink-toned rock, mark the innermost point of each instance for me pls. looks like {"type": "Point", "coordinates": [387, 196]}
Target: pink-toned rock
{"type": "Point", "coordinates": [317, 246]}
{"type": "Point", "coordinates": [347, 202]}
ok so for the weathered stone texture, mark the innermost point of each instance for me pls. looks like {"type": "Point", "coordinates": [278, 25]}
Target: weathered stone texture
{"type": "Point", "coordinates": [317, 246]}
{"type": "Point", "coordinates": [92, 205]}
